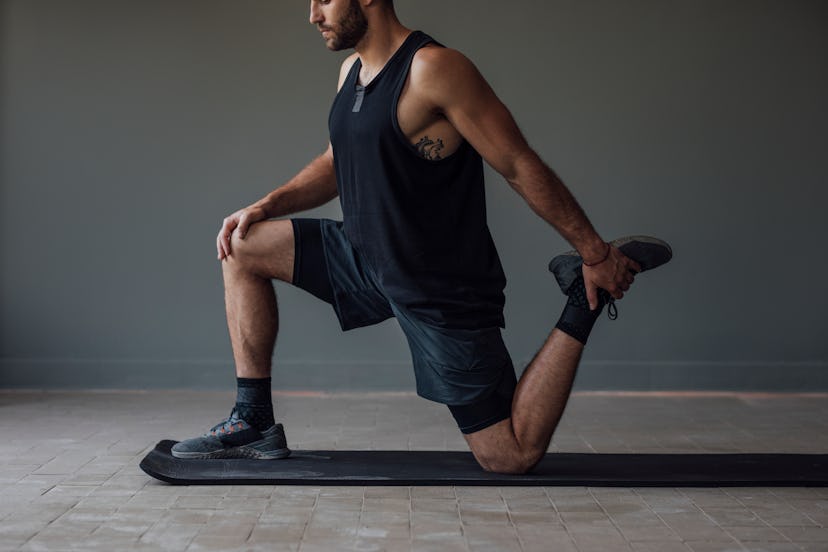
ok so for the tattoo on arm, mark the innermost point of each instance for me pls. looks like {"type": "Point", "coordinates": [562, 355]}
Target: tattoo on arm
{"type": "Point", "coordinates": [429, 149]}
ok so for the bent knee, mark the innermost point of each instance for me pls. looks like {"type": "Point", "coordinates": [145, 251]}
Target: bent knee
{"type": "Point", "coordinates": [514, 463]}
{"type": "Point", "coordinates": [241, 255]}
{"type": "Point", "coordinates": [267, 250]}
{"type": "Point", "coordinates": [242, 248]}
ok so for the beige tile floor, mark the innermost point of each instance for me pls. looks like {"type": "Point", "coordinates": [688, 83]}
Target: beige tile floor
{"type": "Point", "coordinates": [71, 481]}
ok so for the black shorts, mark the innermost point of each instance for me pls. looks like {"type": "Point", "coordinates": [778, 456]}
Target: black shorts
{"type": "Point", "coordinates": [469, 370]}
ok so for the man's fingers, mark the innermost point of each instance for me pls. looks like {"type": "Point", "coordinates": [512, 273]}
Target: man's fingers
{"type": "Point", "coordinates": [592, 295]}
{"type": "Point", "coordinates": [224, 237]}
{"type": "Point", "coordinates": [244, 224]}
{"type": "Point", "coordinates": [625, 280]}
{"type": "Point", "coordinates": [222, 250]}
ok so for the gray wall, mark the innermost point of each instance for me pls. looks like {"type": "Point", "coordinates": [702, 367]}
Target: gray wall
{"type": "Point", "coordinates": [131, 128]}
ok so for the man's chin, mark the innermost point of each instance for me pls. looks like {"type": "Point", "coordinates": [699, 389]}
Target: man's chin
{"type": "Point", "coordinates": [331, 44]}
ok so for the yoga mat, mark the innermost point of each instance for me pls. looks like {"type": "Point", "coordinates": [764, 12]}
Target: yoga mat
{"type": "Point", "coordinates": [402, 467]}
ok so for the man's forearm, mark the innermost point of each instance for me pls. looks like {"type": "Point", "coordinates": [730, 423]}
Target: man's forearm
{"type": "Point", "coordinates": [549, 197]}
{"type": "Point", "coordinates": [315, 185]}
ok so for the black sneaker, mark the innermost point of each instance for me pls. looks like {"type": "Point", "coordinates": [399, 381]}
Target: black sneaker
{"type": "Point", "coordinates": [235, 438]}
{"type": "Point", "coordinates": [647, 251]}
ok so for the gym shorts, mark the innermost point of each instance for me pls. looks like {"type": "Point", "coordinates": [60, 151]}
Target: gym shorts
{"type": "Point", "coordinates": [469, 370]}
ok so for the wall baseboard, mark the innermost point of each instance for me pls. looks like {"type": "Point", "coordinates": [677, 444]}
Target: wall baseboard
{"type": "Point", "coordinates": [217, 374]}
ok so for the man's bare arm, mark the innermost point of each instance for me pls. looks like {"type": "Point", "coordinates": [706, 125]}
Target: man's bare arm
{"type": "Point", "coordinates": [462, 95]}
{"type": "Point", "coordinates": [458, 91]}
{"type": "Point", "coordinates": [313, 186]}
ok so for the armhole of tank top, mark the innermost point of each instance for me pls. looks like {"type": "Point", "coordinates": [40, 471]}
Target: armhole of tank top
{"type": "Point", "coordinates": [395, 123]}
{"type": "Point", "coordinates": [341, 91]}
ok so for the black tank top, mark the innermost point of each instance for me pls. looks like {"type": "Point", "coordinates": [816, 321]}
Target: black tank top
{"type": "Point", "coordinates": [419, 225]}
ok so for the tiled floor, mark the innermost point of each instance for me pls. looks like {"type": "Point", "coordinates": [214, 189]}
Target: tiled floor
{"type": "Point", "coordinates": [71, 480]}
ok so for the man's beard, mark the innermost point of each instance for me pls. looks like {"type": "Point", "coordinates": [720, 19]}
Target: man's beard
{"type": "Point", "coordinates": [351, 29]}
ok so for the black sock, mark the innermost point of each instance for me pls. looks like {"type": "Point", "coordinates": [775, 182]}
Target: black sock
{"type": "Point", "coordinates": [254, 403]}
{"type": "Point", "coordinates": [577, 320]}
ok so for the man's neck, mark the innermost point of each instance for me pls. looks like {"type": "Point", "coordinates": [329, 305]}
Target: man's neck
{"type": "Point", "coordinates": [384, 37]}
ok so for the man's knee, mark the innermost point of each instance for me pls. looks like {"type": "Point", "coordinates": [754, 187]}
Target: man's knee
{"type": "Point", "coordinates": [241, 257]}
{"type": "Point", "coordinates": [241, 249]}
{"type": "Point", "coordinates": [510, 462]}
{"type": "Point", "coordinates": [497, 450]}
{"type": "Point", "coordinates": [267, 250]}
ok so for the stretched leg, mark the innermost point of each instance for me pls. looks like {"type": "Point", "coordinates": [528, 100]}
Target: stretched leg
{"type": "Point", "coordinates": [516, 444]}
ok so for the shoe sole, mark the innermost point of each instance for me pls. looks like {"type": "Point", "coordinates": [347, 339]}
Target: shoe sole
{"type": "Point", "coordinates": [247, 451]}
{"type": "Point", "coordinates": [647, 251]}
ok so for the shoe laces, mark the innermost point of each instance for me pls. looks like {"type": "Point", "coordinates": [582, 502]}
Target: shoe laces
{"type": "Point", "coordinates": [609, 300]}
{"type": "Point", "coordinates": [612, 310]}
{"type": "Point", "coordinates": [577, 292]}
{"type": "Point", "coordinates": [232, 424]}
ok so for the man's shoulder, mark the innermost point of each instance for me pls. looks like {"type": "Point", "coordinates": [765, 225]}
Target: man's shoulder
{"type": "Point", "coordinates": [441, 72]}
{"type": "Point", "coordinates": [345, 68]}
{"type": "Point", "coordinates": [434, 58]}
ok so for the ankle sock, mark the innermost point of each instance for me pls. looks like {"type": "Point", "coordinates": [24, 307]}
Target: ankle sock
{"type": "Point", "coordinates": [254, 403]}
{"type": "Point", "coordinates": [577, 320]}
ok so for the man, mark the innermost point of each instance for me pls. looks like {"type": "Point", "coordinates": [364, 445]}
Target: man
{"type": "Point", "coordinates": [408, 128]}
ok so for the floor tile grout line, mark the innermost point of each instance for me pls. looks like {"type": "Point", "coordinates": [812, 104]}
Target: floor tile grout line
{"type": "Point", "coordinates": [410, 515]}
{"type": "Point", "coordinates": [708, 516]}
{"type": "Point", "coordinates": [815, 522]}
{"type": "Point", "coordinates": [511, 520]}
{"type": "Point", "coordinates": [769, 525]}
{"type": "Point", "coordinates": [361, 511]}
{"type": "Point", "coordinates": [609, 517]}
{"type": "Point", "coordinates": [558, 512]}
{"type": "Point", "coordinates": [650, 506]}
{"type": "Point", "coordinates": [308, 520]}
{"type": "Point", "coordinates": [255, 524]}
{"type": "Point", "coordinates": [460, 519]}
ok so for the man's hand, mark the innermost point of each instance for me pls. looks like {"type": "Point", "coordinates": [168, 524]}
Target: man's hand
{"type": "Point", "coordinates": [615, 274]}
{"type": "Point", "coordinates": [239, 222]}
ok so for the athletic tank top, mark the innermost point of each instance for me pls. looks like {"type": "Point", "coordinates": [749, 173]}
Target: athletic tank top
{"type": "Point", "coordinates": [419, 225]}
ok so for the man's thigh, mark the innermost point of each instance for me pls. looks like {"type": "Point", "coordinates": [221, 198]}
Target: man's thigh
{"type": "Point", "coordinates": [474, 418]}
{"type": "Point", "coordinates": [456, 366]}
{"type": "Point", "coordinates": [267, 250]}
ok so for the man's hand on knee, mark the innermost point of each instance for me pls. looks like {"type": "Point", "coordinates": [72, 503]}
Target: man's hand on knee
{"type": "Point", "coordinates": [238, 222]}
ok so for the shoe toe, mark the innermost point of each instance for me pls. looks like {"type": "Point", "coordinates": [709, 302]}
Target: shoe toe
{"type": "Point", "coordinates": [198, 444]}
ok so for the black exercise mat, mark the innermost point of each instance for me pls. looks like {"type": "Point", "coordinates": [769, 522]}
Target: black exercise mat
{"type": "Point", "coordinates": [387, 467]}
